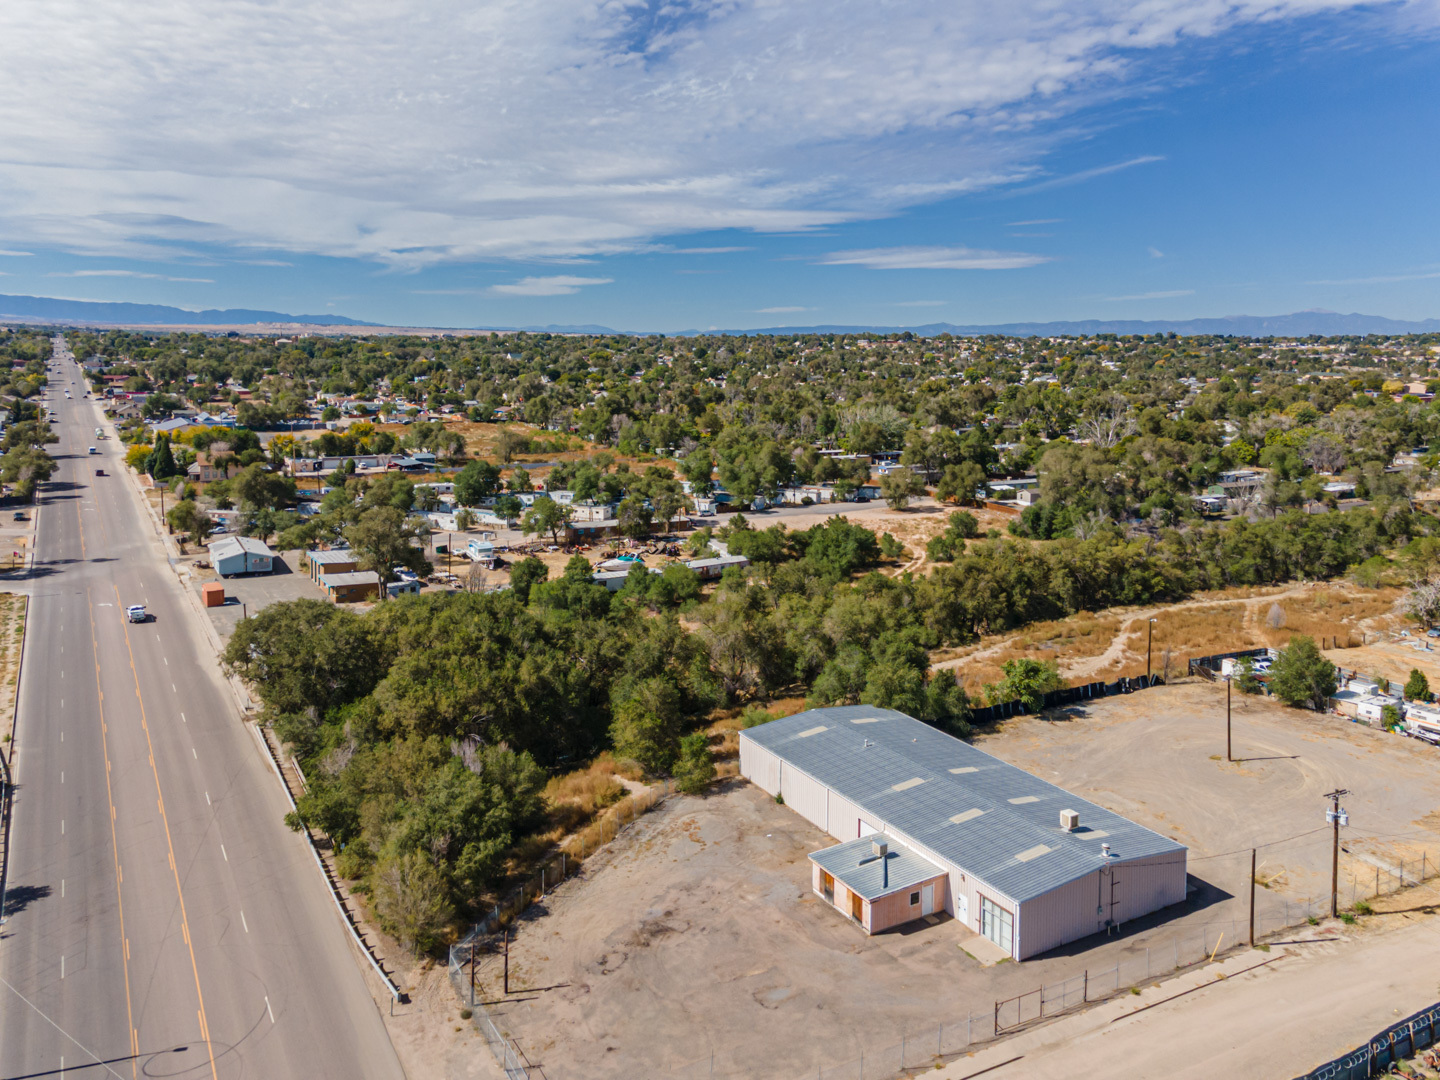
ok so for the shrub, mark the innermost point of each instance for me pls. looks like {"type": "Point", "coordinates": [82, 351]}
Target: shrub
{"type": "Point", "coordinates": [1362, 907]}
{"type": "Point", "coordinates": [696, 767]}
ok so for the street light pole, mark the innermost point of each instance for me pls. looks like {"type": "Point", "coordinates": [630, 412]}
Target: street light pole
{"type": "Point", "coordinates": [1336, 817]}
{"type": "Point", "coordinates": [1228, 681]}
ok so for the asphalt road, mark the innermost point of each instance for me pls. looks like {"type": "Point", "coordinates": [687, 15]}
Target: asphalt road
{"type": "Point", "coordinates": [160, 919]}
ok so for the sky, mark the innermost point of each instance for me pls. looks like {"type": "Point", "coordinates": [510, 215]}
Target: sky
{"type": "Point", "coordinates": [665, 165]}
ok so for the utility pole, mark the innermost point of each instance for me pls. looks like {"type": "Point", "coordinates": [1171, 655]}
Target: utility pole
{"type": "Point", "coordinates": [472, 970]}
{"type": "Point", "coordinates": [1252, 905]}
{"type": "Point", "coordinates": [1336, 817]}
{"type": "Point", "coordinates": [507, 960]}
{"type": "Point", "coordinates": [1149, 637]}
{"type": "Point", "coordinates": [1228, 680]}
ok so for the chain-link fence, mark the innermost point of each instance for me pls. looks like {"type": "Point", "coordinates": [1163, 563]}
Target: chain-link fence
{"type": "Point", "coordinates": [466, 953]}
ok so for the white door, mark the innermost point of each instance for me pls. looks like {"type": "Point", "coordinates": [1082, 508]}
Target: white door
{"type": "Point", "coordinates": [927, 900]}
{"type": "Point", "coordinates": [866, 829]}
{"type": "Point", "coordinates": [962, 908]}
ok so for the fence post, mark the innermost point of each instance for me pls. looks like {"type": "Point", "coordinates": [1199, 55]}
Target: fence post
{"type": "Point", "coordinates": [1085, 987]}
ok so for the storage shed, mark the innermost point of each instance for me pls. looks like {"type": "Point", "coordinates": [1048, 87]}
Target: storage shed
{"type": "Point", "coordinates": [241, 555]}
{"type": "Point", "coordinates": [1013, 857]}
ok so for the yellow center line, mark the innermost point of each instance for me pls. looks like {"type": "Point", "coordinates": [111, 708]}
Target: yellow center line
{"type": "Point", "coordinates": [170, 843]}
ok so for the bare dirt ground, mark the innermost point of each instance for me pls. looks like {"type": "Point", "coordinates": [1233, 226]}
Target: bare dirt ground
{"type": "Point", "coordinates": [1158, 757]}
{"type": "Point", "coordinates": [1273, 1014]}
{"type": "Point", "coordinates": [1392, 659]}
{"type": "Point", "coordinates": [698, 930]}
{"type": "Point", "coordinates": [1105, 645]}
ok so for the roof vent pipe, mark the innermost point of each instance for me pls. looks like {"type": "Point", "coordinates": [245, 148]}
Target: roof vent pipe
{"type": "Point", "coordinates": [1105, 851]}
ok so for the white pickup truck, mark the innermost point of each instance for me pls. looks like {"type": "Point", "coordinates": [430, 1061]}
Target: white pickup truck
{"type": "Point", "coordinates": [136, 613]}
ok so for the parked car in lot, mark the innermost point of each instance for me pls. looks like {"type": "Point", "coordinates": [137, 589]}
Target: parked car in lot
{"type": "Point", "coordinates": [20, 515]}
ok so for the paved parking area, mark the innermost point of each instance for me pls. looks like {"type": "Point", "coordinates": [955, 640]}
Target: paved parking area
{"type": "Point", "coordinates": [248, 595]}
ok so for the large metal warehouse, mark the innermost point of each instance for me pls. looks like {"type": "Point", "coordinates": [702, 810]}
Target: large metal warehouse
{"type": "Point", "coordinates": [931, 823]}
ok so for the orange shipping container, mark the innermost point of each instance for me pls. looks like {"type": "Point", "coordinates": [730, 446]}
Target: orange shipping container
{"type": "Point", "coordinates": [213, 594]}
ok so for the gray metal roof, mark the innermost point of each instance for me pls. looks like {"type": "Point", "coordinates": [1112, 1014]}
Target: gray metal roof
{"type": "Point", "coordinates": [995, 821]}
{"type": "Point", "coordinates": [356, 577]}
{"type": "Point", "coordinates": [236, 545]}
{"type": "Point", "coordinates": [325, 558]}
{"type": "Point", "coordinates": [855, 864]}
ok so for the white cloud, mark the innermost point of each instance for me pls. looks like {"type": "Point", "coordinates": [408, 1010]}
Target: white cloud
{"type": "Point", "coordinates": [544, 130]}
{"type": "Point", "coordinates": [558, 285]}
{"type": "Point", "coordinates": [780, 310]}
{"type": "Point", "coordinates": [15, 254]}
{"type": "Point", "coordinates": [1384, 279]}
{"type": "Point", "coordinates": [921, 303]}
{"type": "Point", "coordinates": [1037, 221]}
{"type": "Point", "coordinates": [1167, 295]}
{"type": "Point", "coordinates": [130, 274]}
{"type": "Point", "coordinates": [1088, 174]}
{"type": "Point", "coordinates": [933, 258]}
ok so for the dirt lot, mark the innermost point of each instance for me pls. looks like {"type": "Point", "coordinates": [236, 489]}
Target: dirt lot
{"type": "Point", "coordinates": [698, 930]}
{"type": "Point", "coordinates": [1105, 645]}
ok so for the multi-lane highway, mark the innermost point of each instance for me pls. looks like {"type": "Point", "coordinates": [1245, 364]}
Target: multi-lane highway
{"type": "Point", "coordinates": [160, 919]}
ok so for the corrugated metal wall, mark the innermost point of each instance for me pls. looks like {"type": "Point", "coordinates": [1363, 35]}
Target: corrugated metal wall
{"type": "Point", "coordinates": [804, 795]}
{"type": "Point", "coordinates": [1122, 891]}
{"type": "Point", "coordinates": [844, 818]}
{"type": "Point", "coordinates": [759, 766]}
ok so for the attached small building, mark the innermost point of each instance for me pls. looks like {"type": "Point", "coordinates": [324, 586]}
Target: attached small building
{"type": "Point", "coordinates": [241, 555]}
{"type": "Point", "coordinates": [348, 588]}
{"type": "Point", "coordinates": [1013, 857]}
{"type": "Point", "coordinates": [329, 562]}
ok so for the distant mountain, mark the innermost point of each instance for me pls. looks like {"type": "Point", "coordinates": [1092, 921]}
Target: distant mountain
{"type": "Point", "coordinates": [1300, 324]}
{"type": "Point", "coordinates": [48, 309]}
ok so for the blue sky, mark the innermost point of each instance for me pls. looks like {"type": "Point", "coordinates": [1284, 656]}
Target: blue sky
{"type": "Point", "coordinates": [690, 164]}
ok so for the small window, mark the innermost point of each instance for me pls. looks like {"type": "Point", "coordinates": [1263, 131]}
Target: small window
{"type": "Point", "coordinates": [914, 898]}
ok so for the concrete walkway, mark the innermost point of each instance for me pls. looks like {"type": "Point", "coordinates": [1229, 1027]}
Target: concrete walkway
{"type": "Point", "coordinates": [1274, 1015]}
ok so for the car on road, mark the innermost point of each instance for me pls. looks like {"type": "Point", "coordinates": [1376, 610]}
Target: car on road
{"type": "Point", "coordinates": [99, 472]}
{"type": "Point", "coordinates": [137, 613]}
{"type": "Point", "coordinates": [93, 450]}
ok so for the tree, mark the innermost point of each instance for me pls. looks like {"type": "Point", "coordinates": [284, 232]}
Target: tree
{"type": "Point", "coordinates": [476, 482]}
{"type": "Point", "coordinates": [1026, 681]}
{"type": "Point", "coordinates": [188, 518]}
{"type": "Point", "coordinates": [698, 466]}
{"type": "Point", "coordinates": [635, 517]}
{"type": "Point", "coordinates": [959, 483]}
{"type": "Point", "coordinates": [1390, 718]}
{"type": "Point", "coordinates": [545, 515]}
{"type": "Point", "coordinates": [646, 728]}
{"type": "Point", "coordinates": [1302, 676]}
{"type": "Point", "coordinates": [1417, 687]}
{"type": "Point", "coordinates": [382, 539]}
{"type": "Point", "coordinates": [508, 508]}
{"type": "Point", "coordinates": [257, 487]}
{"type": "Point", "coordinates": [411, 897]}
{"type": "Point", "coordinates": [161, 462]}
{"type": "Point", "coordinates": [899, 487]}
{"type": "Point", "coordinates": [465, 519]}
{"type": "Point", "coordinates": [1422, 603]}
{"type": "Point", "coordinates": [525, 574]}
{"type": "Point", "coordinates": [1245, 679]}
{"type": "Point", "coordinates": [696, 767]}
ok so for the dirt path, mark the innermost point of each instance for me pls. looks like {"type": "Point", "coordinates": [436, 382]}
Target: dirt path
{"type": "Point", "coordinates": [1260, 1014]}
{"type": "Point", "coordinates": [1133, 622]}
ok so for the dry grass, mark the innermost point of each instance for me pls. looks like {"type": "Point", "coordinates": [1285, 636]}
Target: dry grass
{"type": "Point", "coordinates": [13, 607]}
{"type": "Point", "coordinates": [1089, 647]}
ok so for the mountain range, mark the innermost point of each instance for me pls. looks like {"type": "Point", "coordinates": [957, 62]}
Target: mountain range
{"type": "Point", "coordinates": [1299, 324]}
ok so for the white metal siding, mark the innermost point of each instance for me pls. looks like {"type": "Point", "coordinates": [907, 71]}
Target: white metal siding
{"type": "Point", "coordinates": [1061, 915]}
{"type": "Point", "coordinates": [844, 817]}
{"type": "Point", "coordinates": [804, 795]}
{"type": "Point", "coordinates": [1146, 885]}
{"type": "Point", "coordinates": [760, 767]}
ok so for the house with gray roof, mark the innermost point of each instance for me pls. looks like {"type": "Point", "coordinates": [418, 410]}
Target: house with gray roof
{"type": "Point", "coordinates": [929, 823]}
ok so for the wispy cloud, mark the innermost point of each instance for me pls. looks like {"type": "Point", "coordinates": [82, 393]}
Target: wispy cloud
{"type": "Point", "coordinates": [933, 258]}
{"type": "Point", "coordinates": [638, 121]}
{"type": "Point", "coordinates": [1384, 279]}
{"type": "Point", "coordinates": [14, 254]}
{"type": "Point", "coordinates": [1155, 253]}
{"type": "Point", "coordinates": [781, 310]}
{"type": "Point", "coordinates": [1037, 221]}
{"type": "Point", "coordinates": [1087, 174]}
{"type": "Point", "coordinates": [1168, 294]}
{"type": "Point", "coordinates": [704, 250]}
{"type": "Point", "coordinates": [556, 285]}
{"type": "Point", "coordinates": [921, 303]}
{"type": "Point", "coordinates": [129, 274]}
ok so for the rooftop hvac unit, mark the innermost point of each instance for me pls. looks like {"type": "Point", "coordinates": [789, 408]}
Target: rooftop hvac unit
{"type": "Point", "coordinates": [1069, 820]}
{"type": "Point", "coordinates": [880, 848]}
